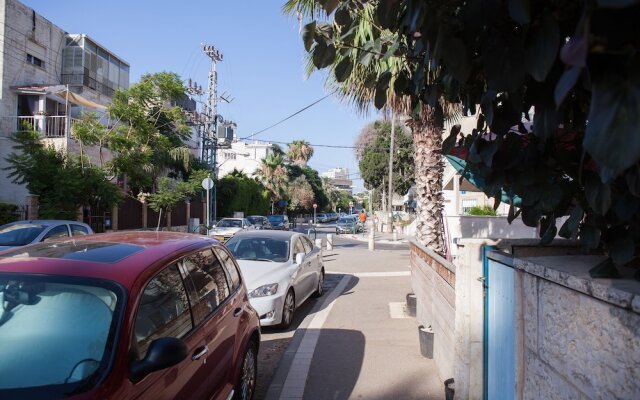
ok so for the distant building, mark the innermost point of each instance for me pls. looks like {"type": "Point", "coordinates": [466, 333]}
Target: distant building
{"type": "Point", "coordinates": [339, 177]}
{"type": "Point", "coordinates": [48, 78]}
{"type": "Point", "coordinates": [238, 155]}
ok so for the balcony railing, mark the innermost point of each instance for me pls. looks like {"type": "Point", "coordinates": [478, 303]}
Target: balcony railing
{"type": "Point", "coordinates": [50, 126]}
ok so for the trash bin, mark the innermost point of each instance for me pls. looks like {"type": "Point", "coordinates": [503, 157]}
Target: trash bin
{"type": "Point", "coordinates": [411, 304]}
{"type": "Point", "coordinates": [426, 341]}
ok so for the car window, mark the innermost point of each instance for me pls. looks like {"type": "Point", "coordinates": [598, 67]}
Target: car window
{"type": "Point", "coordinates": [209, 282]}
{"type": "Point", "coordinates": [230, 223]}
{"type": "Point", "coordinates": [79, 230]}
{"type": "Point", "coordinates": [258, 248]}
{"type": "Point", "coordinates": [232, 269]}
{"type": "Point", "coordinates": [163, 309]}
{"type": "Point", "coordinates": [54, 331]}
{"type": "Point", "coordinates": [19, 234]}
{"type": "Point", "coordinates": [298, 247]}
{"type": "Point", "coordinates": [59, 231]}
{"type": "Point", "coordinates": [308, 244]}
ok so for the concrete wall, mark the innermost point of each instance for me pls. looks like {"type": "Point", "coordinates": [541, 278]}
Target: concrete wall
{"type": "Point", "coordinates": [433, 281]}
{"type": "Point", "coordinates": [580, 336]}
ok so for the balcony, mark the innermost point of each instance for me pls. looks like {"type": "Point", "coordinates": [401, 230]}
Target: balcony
{"type": "Point", "coordinates": [48, 126]}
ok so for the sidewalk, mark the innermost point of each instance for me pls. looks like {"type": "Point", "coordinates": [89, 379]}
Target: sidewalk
{"type": "Point", "coordinates": [357, 342]}
{"type": "Point", "coordinates": [379, 237]}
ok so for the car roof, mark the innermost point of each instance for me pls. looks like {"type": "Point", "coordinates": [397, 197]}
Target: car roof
{"type": "Point", "coordinates": [123, 255]}
{"type": "Point", "coordinates": [47, 222]}
{"type": "Point", "coordinates": [232, 218]}
{"type": "Point", "coordinates": [282, 235]}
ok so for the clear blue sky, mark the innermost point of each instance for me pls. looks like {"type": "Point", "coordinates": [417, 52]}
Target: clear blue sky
{"type": "Point", "coordinates": [263, 67]}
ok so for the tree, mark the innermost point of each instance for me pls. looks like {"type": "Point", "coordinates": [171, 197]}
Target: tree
{"type": "Point", "coordinates": [299, 152]}
{"type": "Point", "coordinates": [273, 175]}
{"type": "Point", "coordinates": [300, 193]}
{"type": "Point", "coordinates": [149, 135]}
{"type": "Point", "coordinates": [62, 183]}
{"type": "Point", "coordinates": [570, 61]}
{"type": "Point", "coordinates": [374, 159]}
{"type": "Point", "coordinates": [171, 191]}
{"type": "Point", "coordinates": [237, 192]}
{"type": "Point", "coordinates": [314, 180]}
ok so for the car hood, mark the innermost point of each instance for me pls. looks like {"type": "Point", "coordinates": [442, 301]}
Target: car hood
{"type": "Point", "coordinates": [258, 273]}
{"type": "Point", "coordinates": [2, 248]}
{"type": "Point", "coordinates": [224, 231]}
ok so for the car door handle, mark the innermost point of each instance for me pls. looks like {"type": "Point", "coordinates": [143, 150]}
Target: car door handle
{"type": "Point", "coordinates": [237, 312]}
{"type": "Point", "coordinates": [199, 353]}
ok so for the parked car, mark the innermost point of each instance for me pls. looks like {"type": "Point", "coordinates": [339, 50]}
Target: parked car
{"type": "Point", "coordinates": [348, 225]}
{"type": "Point", "coordinates": [281, 270]}
{"type": "Point", "coordinates": [259, 222]}
{"type": "Point", "coordinates": [21, 233]}
{"type": "Point", "coordinates": [227, 227]}
{"type": "Point", "coordinates": [321, 217]}
{"type": "Point", "coordinates": [126, 315]}
{"type": "Point", "coordinates": [280, 222]}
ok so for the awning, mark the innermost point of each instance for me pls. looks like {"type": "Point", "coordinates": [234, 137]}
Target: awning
{"type": "Point", "coordinates": [60, 91]}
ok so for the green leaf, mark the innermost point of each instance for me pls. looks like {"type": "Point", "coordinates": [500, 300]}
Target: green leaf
{"type": "Point", "coordinates": [617, 3]}
{"type": "Point", "coordinates": [454, 53]}
{"type": "Point", "coordinates": [450, 141]}
{"type": "Point", "coordinates": [598, 195]}
{"type": "Point", "coordinates": [549, 234]}
{"type": "Point", "coordinates": [590, 236]}
{"type": "Point", "coordinates": [571, 225]}
{"type": "Point", "coordinates": [519, 11]}
{"type": "Point", "coordinates": [530, 216]}
{"type": "Point", "coordinates": [392, 50]}
{"type": "Point", "coordinates": [342, 16]}
{"type": "Point", "coordinates": [308, 32]}
{"type": "Point", "coordinates": [382, 86]}
{"type": "Point", "coordinates": [566, 83]}
{"type": "Point", "coordinates": [323, 55]}
{"type": "Point", "coordinates": [343, 69]}
{"type": "Point", "coordinates": [542, 51]}
{"type": "Point", "coordinates": [387, 12]}
{"type": "Point", "coordinates": [605, 269]}
{"type": "Point", "coordinates": [513, 214]}
{"type": "Point", "coordinates": [622, 250]}
{"type": "Point", "coordinates": [611, 137]}
{"type": "Point", "coordinates": [329, 5]}
{"type": "Point", "coordinates": [401, 83]}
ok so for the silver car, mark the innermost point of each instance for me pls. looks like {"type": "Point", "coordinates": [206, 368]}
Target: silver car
{"type": "Point", "coordinates": [21, 233]}
{"type": "Point", "coordinates": [281, 270]}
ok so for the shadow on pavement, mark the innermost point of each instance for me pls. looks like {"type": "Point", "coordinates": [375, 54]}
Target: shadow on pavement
{"type": "Point", "coordinates": [268, 359]}
{"type": "Point", "coordinates": [336, 364]}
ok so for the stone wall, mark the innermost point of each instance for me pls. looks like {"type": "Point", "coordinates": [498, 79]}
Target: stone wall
{"type": "Point", "coordinates": [581, 336]}
{"type": "Point", "coordinates": [433, 280]}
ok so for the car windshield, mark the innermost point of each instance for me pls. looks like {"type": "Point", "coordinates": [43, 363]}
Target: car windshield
{"type": "Point", "coordinates": [255, 220]}
{"type": "Point", "coordinates": [56, 334]}
{"type": "Point", "coordinates": [259, 248]}
{"type": "Point", "coordinates": [19, 234]}
{"type": "Point", "coordinates": [276, 218]}
{"type": "Point", "coordinates": [229, 223]}
{"type": "Point", "coordinates": [345, 221]}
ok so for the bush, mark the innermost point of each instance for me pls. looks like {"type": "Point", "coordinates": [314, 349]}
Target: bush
{"type": "Point", "coordinates": [484, 210]}
{"type": "Point", "coordinates": [8, 213]}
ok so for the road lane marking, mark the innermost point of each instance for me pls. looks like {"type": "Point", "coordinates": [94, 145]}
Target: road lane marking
{"type": "Point", "coordinates": [373, 274]}
{"type": "Point", "coordinates": [295, 383]}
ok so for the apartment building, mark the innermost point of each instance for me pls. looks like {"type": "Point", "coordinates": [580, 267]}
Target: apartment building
{"type": "Point", "coordinates": [49, 77]}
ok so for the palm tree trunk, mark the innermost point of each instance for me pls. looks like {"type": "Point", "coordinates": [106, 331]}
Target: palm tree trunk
{"type": "Point", "coordinates": [429, 169]}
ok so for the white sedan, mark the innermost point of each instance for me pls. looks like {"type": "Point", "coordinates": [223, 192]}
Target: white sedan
{"type": "Point", "coordinates": [227, 227]}
{"type": "Point", "coordinates": [281, 270]}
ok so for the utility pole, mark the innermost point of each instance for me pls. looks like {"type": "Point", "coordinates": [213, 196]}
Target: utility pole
{"type": "Point", "coordinates": [390, 203]}
{"type": "Point", "coordinates": [210, 139]}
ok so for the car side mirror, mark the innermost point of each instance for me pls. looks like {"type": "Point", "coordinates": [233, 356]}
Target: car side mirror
{"type": "Point", "coordinates": [299, 258]}
{"type": "Point", "coordinates": [162, 353]}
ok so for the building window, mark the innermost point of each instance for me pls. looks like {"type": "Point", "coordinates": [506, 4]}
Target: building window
{"type": "Point", "coordinates": [31, 59]}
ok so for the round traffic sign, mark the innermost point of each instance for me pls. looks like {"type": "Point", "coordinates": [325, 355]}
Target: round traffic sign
{"type": "Point", "coordinates": [315, 205]}
{"type": "Point", "coordinates": [207, 183]}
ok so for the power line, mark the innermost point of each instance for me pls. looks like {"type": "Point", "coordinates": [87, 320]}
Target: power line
{"type": "Point", "coordinates": [289, 117]}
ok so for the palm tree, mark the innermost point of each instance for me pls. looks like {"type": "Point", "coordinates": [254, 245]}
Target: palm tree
{"type": "Point", "coordinates": [356, 89]}
{"type": "Point", "coordinates": [273, 175]}
{"type": "Point", "coordinates": [299, 152]}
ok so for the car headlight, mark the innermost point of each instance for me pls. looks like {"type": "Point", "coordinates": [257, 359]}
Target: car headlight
{"type": "Point", "coordinates": [265, 290]}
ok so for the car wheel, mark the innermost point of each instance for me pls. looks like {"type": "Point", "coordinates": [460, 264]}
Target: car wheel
{"type": "Point", "coordinates": [320, 290]}
{"type": "Point", "coordinates": [246, 385]}
{"type": "Point", "coordinates": [288, 309]}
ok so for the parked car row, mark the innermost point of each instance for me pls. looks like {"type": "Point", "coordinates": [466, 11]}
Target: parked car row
{"type": "Point", "coordinates": [327, 217]}
{"type": "Point", "coordinates": [349, 224]}
{"type": "Point", "coordinates": [128, 315]}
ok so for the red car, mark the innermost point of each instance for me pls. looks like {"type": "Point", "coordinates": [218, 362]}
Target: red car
{"type": "Point", "coordinates": [130, 315]}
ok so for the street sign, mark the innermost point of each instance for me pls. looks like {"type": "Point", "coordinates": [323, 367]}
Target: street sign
{"type": "Point", "coordinates": [315, 205]}
{"type": "Point", "coordinates": [207, 183]}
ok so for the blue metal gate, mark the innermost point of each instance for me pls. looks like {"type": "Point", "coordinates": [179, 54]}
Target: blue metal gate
{"type": "Point", "coordinates": [500, 331]}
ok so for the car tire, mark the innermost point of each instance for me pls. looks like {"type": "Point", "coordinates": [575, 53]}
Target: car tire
{"type": "Point", "coordinates": [288, 309]}
{"type": "Point", "coordinates": [246, 385]}
{"type": "Point", "coordinates": [320, 289]}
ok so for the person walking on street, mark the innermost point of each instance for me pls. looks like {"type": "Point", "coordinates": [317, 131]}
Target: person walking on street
{"type": "Point", "coordinates": [363, 216]}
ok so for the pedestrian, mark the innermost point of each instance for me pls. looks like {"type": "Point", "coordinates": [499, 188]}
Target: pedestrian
{"type": "Point", "coordinates": [363, 216]}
